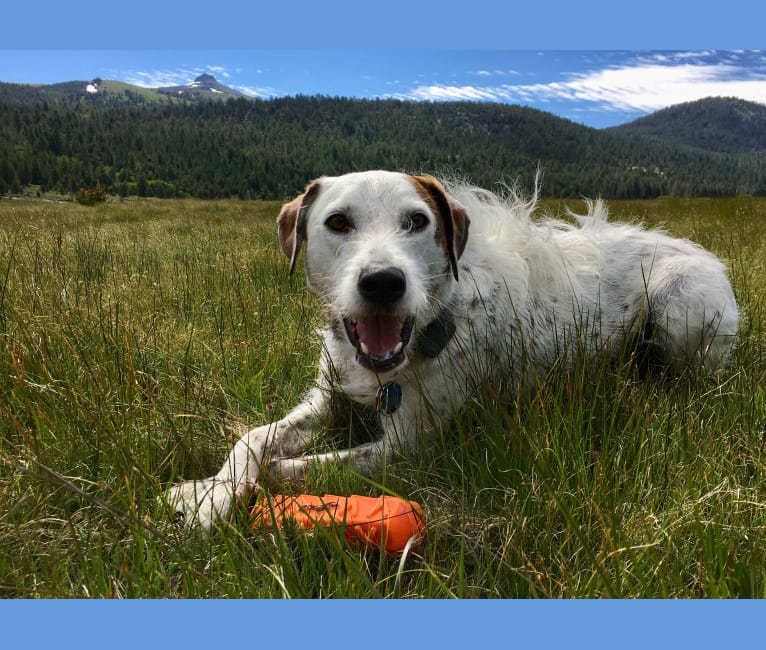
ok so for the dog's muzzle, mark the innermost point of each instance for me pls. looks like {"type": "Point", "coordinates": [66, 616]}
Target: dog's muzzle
{"type": "Point", "coordinates": [380, 334]}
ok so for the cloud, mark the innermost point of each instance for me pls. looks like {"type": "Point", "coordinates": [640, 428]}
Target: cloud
{"type": "Point", "coordinates": [489, 73]}
{"type": "Point", "coordinates": [692, 54]}
{"type": "Point", "coordinates": [169, 77]}
{"type": "Point", "coordinates": [219, 70]}
{"type": "Point", "coordinates": [157, 78]}
{"type": "Point", "coordinates": [438, 92]}
{"type": "Point", "coordinates": [650, 84]}
{"type": "Point", "coordinates": [264, 92]}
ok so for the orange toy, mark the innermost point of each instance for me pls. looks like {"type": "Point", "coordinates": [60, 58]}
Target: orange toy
{"type": "Point", "coordinates": [383, 522]}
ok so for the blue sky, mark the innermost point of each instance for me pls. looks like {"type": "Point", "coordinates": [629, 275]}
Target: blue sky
{"type": "Point", "coordinates": [598, 88]}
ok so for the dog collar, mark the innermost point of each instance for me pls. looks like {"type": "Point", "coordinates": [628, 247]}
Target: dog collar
{"type": "Point", "coordinates": [435, 336]}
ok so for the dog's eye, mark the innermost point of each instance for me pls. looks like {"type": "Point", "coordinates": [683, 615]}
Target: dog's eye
{"type": "Point", "coordinates": [416, 221]}
{"type": "Point", "coordinates": [338, 222]}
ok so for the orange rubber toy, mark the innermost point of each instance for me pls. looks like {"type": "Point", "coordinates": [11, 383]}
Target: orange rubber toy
{"type": "Point", "coordinates": [382, 522]}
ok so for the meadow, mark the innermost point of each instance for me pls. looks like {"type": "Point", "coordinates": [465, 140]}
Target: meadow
{"type": "Point", "coordinates": [138, 338]}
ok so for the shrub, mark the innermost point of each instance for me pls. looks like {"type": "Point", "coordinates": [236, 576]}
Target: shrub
{"type": "Point", "coordinates": [91, 196]}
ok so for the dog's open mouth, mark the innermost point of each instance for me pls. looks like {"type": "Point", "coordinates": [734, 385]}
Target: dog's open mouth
{"type": "Point", "coordinates": [379, 339]}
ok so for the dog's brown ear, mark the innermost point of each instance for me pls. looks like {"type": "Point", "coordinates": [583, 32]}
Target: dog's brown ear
{"type": "Point", "coordinates": [291, 223]}
{"type": "Point", "coordinates": [453, 218]}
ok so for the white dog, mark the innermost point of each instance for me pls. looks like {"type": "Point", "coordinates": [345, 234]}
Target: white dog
{"type": "Point", "coordinates": [431, 290]}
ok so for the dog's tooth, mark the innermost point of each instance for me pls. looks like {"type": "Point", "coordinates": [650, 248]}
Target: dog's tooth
{"type": "Point", "coordinates": [398, 347]}
{"type": "Point", "coordinates": [363, 347]}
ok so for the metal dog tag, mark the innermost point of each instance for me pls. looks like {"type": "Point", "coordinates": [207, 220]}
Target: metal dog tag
{"type": "Point", "coordinates": [389, 398]}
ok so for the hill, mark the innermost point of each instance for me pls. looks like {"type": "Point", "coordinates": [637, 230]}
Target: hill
{"type": "Point", "coordinates": [724, 124]}
{"type": "Point", "coordinates": [94, 92]}
{"type": "Point", "coordinates": [269, 149]}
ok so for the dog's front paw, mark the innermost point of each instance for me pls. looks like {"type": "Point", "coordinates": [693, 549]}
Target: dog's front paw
{"type": "Point", "coordinates": [292, 471]}
{"type": "Point", "coordinates": [201, 502]}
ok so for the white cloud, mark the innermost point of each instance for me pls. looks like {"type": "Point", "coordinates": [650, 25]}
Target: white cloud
{"type": "Point", "coordinates": [170, 77]}
{"type": "Point", "coordinates": [641, 87]}
{"type": "Point", "coordinates": [650, 87]}
{"type": "Point", "coordinates": [264, 92]}
{"type": "Point", "coordinates": [490, 73]}
{"type": "Point", "coordinates": [693, 54]}
{"type": "Point", "coordinates": [218, 69]}
{"type": "Point", "coordinates": [156, 78]}
{"type": "Point", "coordinates": [447, 93]}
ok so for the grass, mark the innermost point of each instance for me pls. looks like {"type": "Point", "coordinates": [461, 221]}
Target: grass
{"type": "Point", "coordinates": [138, 337]}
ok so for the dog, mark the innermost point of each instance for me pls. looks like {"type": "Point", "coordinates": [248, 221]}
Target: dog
{"type": "Point", "coordinates": [434, 287]}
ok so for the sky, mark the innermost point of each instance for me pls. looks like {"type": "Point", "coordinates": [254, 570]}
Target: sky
{"type": "Point", "coordinates": [598, 88]}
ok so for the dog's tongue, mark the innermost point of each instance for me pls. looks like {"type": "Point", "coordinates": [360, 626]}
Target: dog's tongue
{"type": "Point", "coordinates": [380, 333]}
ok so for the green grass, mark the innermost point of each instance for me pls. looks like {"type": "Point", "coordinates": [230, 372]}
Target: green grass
{"type": "Point", "coordinates": [138, 337]}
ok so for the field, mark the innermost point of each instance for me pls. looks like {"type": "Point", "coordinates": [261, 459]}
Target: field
{"type": "Point", "coordinates": [137, 338]}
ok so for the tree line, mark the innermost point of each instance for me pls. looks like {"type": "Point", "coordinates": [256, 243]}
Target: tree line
{"type": "Point", "coordinates": [270, 149]}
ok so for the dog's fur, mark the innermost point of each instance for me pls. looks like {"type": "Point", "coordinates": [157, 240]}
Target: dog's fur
{"type": "Point", "coordinates": [521, 293]}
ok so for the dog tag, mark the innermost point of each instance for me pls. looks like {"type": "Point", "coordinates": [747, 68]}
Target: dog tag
{"type": "Point", "coordinates": [389, 398]}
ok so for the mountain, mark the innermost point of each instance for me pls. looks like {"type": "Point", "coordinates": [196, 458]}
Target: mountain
{"type": "Point", "coordinates": [723, 124]}
{"type": "Point", "coordinates": [206, 86]}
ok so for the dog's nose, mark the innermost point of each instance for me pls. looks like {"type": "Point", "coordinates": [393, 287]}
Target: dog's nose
{"type": "Point", "coordinates": [383, 287]}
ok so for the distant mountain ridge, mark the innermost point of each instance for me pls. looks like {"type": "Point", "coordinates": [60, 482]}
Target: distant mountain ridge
{"type": "Point", "coordinates": [202, 88]}
{"type": "Point", "coordinates": [722, 124]}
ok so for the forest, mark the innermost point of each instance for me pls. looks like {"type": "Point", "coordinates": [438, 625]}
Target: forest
{"type": "Point", "coordinates": [270, 149]}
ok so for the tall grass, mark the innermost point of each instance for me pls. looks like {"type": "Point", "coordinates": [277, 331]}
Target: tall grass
{"type": "Point", "coordinates": [139, 337]}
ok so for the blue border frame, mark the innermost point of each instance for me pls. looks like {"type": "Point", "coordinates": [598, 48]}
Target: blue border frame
{"type": "Point", "coordinates": [385, 24]}
{"type": "Point", "coordinates": [382, 624]}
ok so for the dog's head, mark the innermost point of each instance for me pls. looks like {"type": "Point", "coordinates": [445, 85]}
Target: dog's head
{"type": "Point", "coordinates": [381, 251]}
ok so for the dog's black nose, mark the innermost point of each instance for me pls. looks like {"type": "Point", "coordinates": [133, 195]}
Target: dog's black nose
{"type": "Point", "coordinates": [383, 287]}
